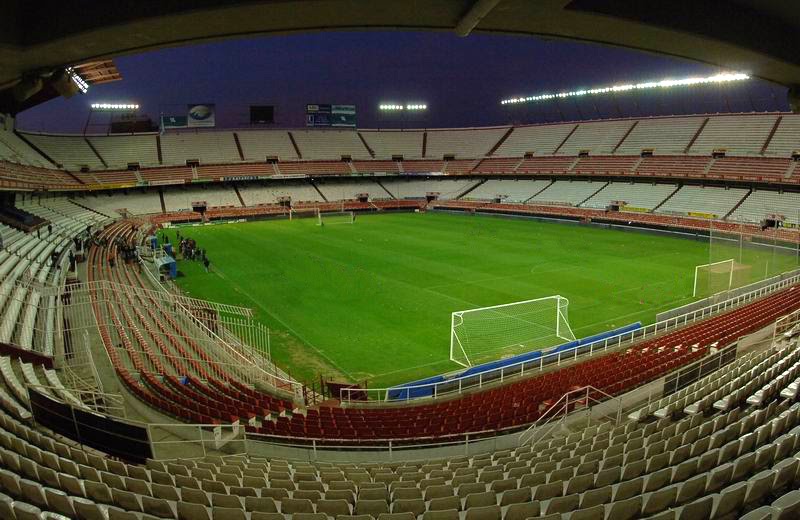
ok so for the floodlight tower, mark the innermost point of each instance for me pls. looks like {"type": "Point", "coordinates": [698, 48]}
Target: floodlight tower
{"type": "Point", "coordinates": [112, 110]}
{"type": "Point", "coordinates": [403, 112]}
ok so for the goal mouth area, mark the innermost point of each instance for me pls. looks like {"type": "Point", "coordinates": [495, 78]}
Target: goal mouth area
{"type": "Point", "coordinates": [503, 331]}
{"type": "Point", "coordinates": [335, 217]}
{"type": "Point", "coordinates": [716, 277]}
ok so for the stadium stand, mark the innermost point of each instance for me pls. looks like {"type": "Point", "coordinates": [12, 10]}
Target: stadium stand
{"type": "Point", "coordinates": [707, 200]}
{"type": "Point", "coordinates": [376, 167]}
{"type": "Point", "coordinates": [386, 143]}
{"type": "Point", "coordinates": [605, 165]}
{"type": "Point", "coordinates": [786, 139]}
{"type": "Point", "coordinates": [181, 199]}
{"type": "Point", "coordinates": [414, 189]}
{"type": "Point", "coordinates": [168, 175]}
{"type": "Point", "coordinates": [734, 134]}
{"type": "Point", "coordinates": [299, 191]}
{"type": "Point", "coordinates": [597, 138]}
{"type": "Point", "coordinates": [257, 145]}
{"type": "Point", "coordinates": [15, 150]}
{"type": "Point", "coordinates": [671, 166]}
{"type": "Point", "coordinates": [348, 190]}
{"type": "Point", "coordinates": [640, 196]}
{"type": "Point", "coordinates": [662, 136]}
{"type": "Point", "coordinates": [749, 169]}
{"type": "Point", "coordinates": [498, 165]}
{"type": "Point", "coordinates": [314, 168]}
{"type": "Point", "coordinates": [133, 202]}
{"type": "Point", "coordinates": [330, 144]}
{"type": "Point", "coordinates": [546, 165]}
{"type": "Point", "coordinates": [570, 193]}
{"type": "Point", "coordinates": [537, 140]}
{"type": "Point", "coordinates": [423, 166]}
{"type": "Point", "coordinates": [463, 143]}
{"type": "Point", "coordinates": [72, 152]}
{"type": "Point", "coordinates": [508, 190]}
{"type": "Point", "coordinates": [207, 147]}
{"type": "Point", "coordinates": [118, 151]}
{"type": "Point", "coordinates": [761, 203]}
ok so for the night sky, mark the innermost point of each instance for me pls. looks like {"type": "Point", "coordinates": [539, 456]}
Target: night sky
{"type": "Point", "coordinates": [461, 79]}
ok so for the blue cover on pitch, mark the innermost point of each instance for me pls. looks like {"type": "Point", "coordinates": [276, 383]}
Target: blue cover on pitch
{"type": "Point", "coordinates": [408, 391]}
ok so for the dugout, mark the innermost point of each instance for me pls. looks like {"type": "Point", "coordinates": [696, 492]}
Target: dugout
{"type": "Point", "coordinates": [165, 265]}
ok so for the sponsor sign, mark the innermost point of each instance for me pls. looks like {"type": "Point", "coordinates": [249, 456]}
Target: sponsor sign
{"type": "Point", "coordinates": [201, 115]}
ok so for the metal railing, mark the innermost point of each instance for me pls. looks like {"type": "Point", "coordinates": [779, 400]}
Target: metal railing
{"type": "Point", "coordinates": [231, 337]}
{"type": "Point", "coordinates": [193, 441]}
{"type": "Point", "coordinates": [457, 385]}
{"type": "Point", "coordinates": [578, 400]}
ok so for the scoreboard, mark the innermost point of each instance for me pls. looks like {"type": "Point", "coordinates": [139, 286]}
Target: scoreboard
{"type": "Point", "coordinates": [323, 115]}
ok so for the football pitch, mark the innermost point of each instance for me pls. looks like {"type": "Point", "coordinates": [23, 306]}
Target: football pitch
{"type": "Point", "coordinates": [372, 300]}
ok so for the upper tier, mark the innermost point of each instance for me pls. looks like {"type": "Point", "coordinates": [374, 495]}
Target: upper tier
{"type": "Point", "coordinates": [614, 147]}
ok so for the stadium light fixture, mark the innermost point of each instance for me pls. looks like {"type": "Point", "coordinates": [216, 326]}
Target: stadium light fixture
{"type": "Point", "coordinates": [396, 107]}
{"type": "Point", "coordinates": [664, 83]}
{"type": "Point", "coordinates": [81, 83]}
{"type": "Point", "coordinates": [114, 106]}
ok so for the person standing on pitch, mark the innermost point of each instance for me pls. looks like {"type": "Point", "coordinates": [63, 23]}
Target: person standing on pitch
{"type": "Point", "coordinates": [206, 263]}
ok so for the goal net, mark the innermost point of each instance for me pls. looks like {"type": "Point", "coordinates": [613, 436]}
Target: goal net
{"type": "Point", "coordinates": [489, 333]}
{"type": "Point", "coordinates": [336, 217]}
{"type": "Point", "coordinates": [713, 278]}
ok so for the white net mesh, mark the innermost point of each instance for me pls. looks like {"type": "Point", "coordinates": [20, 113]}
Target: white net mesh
{"type": "Point", "coordinates": [490, 333]}
{"type": "Point", "coordinates": [338, 217]}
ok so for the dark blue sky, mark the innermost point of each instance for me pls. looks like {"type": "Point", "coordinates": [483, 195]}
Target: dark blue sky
{"type": "Point", "coordinates": [461, 79]}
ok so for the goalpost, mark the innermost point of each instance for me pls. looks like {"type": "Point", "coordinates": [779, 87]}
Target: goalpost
{"type": "Point", "coordinates": [714, 277]}
{"type": "Point", "coordinates": [335, 217]}
{"type": "Point", "coordinates": [488, 333]}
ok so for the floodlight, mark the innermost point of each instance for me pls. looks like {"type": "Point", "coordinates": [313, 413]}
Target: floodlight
{"type": "Point", "coordinates": [664, 83]}
{"type": "Point", "coordinates": [114, 106]}
{"type": "Point", "coordinates": [82, 85]}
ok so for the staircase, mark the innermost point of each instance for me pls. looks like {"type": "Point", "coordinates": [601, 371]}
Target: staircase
{"type": "Point", "coordinates": [790, 170]}
{"type": "Point", "coordinates": [573, 408]}
{"type": "Point", "coordinates": [241, 200]}
{"type": "Point", "coordinates": [709, 166]}
{"type": "Point", "coordinates": [668, 197]}
{"type": "Point", "coordinates": [318, 191]}
{"type": "Point", "coordinates": [593, 194]}
{"type": "Point", "coordinates": [385, 189]}
{"type": "Point", "coordinates": [728, 214]}
{"type": "Point", "coordinates": [468, 190]}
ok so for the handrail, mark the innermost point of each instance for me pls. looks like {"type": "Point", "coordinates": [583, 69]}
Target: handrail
{"type": "Point", "coordinates": [520, 368]}
{"type": "Point", "coordinates": [555, 411]}
{"type": "Point", "coordinates": [229, 347]}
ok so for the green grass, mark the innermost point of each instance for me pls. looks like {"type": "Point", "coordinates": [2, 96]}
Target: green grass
{"type": "Point", "coordinates": [373, 300]}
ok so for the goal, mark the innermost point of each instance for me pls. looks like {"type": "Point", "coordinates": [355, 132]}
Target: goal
{"type": "Point", "coordinates": [336, 217]}
{"type": "Point", "coordinates": [716, 277]}
{"type": "Point", "coordinates": [490, 333]}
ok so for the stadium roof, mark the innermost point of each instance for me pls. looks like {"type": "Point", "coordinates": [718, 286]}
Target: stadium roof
{"type": "Point", "coordinates": [759, 37]}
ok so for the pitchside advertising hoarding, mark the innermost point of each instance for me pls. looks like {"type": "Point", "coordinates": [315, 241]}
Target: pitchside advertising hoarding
{"type": "Point", "coordinates": [322, 115]}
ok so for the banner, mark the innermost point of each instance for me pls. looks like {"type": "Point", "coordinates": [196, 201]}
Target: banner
{"type": "Point", "coordinates": [701, 214]}
{"type": "Point", "coordinates": [168, 122]}
{"type": "Point", "coordinates": [200, 116]}
{"type": "Point", "coordinates": [343, 115]}
{"type": "Point", "coordinates": [322, 115]}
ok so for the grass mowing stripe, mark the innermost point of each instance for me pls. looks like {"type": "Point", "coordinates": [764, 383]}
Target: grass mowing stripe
{"type": "Point", "coordinates": [373, 299]}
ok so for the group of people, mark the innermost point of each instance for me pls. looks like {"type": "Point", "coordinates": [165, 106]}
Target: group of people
{"type": "Point", "coordinates": [189, 250]}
